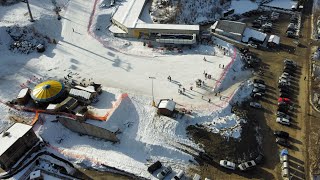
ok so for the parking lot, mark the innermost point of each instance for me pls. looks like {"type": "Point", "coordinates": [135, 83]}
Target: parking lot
{"type": "Point", "coordinates": [301, 115]}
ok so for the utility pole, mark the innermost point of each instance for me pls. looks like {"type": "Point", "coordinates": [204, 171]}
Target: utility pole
{"type": "Point", "coordinates": [153, 102]}
{"type": "Point", "coordinates": [30, 14]}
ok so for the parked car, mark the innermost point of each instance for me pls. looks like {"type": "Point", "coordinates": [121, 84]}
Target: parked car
{"type": "Point", "coordinates": [283, 109]}
{"type": "Point", "coordinates": [283, 121]}
{"type": "Point", "coordinates": [284, 100]}
{"type": "Point", "coordinates": [282, 142]}
{"type": "Point", "coordinates": [281, 134]}
{"type": "Point", "coordinates": [256, 95]}
{"type": "Point", "coordinates": [196, 177]}
{"type": "Point", "coordinates": [179, 175]}
{"type": "Point", "coordinates": [284, 83]}
{"type": "Point", "coordinates": [282, 114]}
{"type": "Point", "coordinates": [253, 45]}
{"type": "Point", "coordinates": [288, 71]}
{"type": "Point", "coordinates": [228, 164]}
{"type": "Point", "coordinates": [259, 159]}
{"type": "Point", "coordinates": [259, 81]}
{"type": "Point", "coordinates": [284, 94]}
{"type": "Point", "coordinates": [290, 67]}
{"type": "Point", "coordinates": [155, 166]}
{"type": "Point", "coordinates": [290, 62]}
{"type": "Point", "coordinates": [164, 172]}
{"type": "Point", "coordinates": [260, 86]}
{"type": "Point", "coordinates": [284, 89]}
{"type": "Point", "coordinates": [255, 105]}
{"type": "Point", "coordinates": [257, 90]}
{"type": "Point", "coordinates": [247, 165]}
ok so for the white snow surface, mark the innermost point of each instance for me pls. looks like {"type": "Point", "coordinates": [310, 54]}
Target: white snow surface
{"type": "Point", "coordinates": [124, 66]}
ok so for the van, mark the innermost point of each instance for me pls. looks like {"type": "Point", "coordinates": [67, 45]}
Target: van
{"type": "Point", "coordinates": [155, 166]}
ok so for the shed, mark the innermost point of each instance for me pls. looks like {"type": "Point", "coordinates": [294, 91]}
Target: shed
{"type": "Point", "coordinates": [23, 96]}
{"type": "Point", "coordinates": [14, 143]}
{"type": "Point", "coordinates": [166, 107]}
{"type": "Point", "coordinates": [81, 95]}
{"type": "Point", "coordinates": [273, 41]}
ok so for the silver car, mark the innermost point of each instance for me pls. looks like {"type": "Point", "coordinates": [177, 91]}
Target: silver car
{"type": "Point", "coordinates": [164, 172]}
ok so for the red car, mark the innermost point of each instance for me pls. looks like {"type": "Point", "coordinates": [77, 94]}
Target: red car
{"type": "Point", "coordinates": [286, 100]}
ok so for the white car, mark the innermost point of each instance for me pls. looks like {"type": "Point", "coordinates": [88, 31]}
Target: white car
{"type": "Point", "coordinates": [179, 175]}
{"type": "Point", "coordinates": [260, 86]}
{"type": "Point", "coordinates": [283, 121]}
{"type": "Point", "coordinates": [164, 172]}
{"type": "Point", "coordinates": [283, 115]}
{"type": "Point", "coordinates": [247, 165]}
{"type": "Point", "coordinates": [228, 164]}
{"type": "Point", "coordinates": [255, 105]}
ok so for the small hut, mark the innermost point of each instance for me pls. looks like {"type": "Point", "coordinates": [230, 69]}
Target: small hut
{"type": "Point", "coordinates": [23, 96]}
{"type": "Point", "coordinates": [166, 107]}
{"type": "Point", "coordinates": [273, 41]}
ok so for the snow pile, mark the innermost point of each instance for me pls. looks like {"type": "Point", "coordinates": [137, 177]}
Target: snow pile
{"type": "Point", "coordinates": [226, 123]}
{"type": "Point", "coordinates": [228, 126]}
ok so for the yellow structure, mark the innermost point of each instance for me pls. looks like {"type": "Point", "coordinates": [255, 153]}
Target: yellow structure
{"type": "Point", "coordinates": [47, 91]}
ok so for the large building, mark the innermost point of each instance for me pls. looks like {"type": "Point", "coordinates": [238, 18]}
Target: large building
{"type": "Point", "coordinates": [14, 143]}
{"type": "Point", "coordinates": [127, 19]}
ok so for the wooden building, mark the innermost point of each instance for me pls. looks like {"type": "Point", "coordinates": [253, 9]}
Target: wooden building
{"type": "Point", "coordinates": [14, 143]}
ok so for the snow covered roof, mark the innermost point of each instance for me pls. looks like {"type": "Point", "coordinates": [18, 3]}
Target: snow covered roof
{"type": "Point", "coordinates": [128, 12]}
{"type": "Point", "coordinates": [167, 104]}
{"type": "Point", "coordinates": [285, 4]}
{"type": "Point", "coordinates": [251, 33]}
{"type": "Point", "coordinates": [15, 132]}
{"type": "Point", "coordinates": [168, 26]}
{"type": "Point", "coordinates": [22, 93]}
{"type": "Point", "coordinates": [89, 89]}
{"type": "Point", "coordinates": [52, 106]}
{"type": "Point", "coordinates": [80, 93]}
{"type": "Point", "coordinates": [275, 39]}
{"type": "Point", "coordinates": [229, 26]}
{"type": "Point", "coordinates": [243, 6]}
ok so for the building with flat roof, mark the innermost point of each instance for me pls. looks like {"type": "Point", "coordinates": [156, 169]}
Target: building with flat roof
{"type": "Point", "coordinates": [230, 29]}
{"type": "Point", "coordinates": [127, 19]}
{"type": "Point", "coordinates": [14, 143]}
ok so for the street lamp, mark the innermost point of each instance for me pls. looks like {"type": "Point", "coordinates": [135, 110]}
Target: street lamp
{"type": "Point", "coordinates": [152, 78]}
{"type": "Point", "coordinates": [30, 14]}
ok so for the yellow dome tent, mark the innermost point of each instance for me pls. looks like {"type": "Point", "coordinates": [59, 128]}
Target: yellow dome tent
{"type": "Point", "coordinates": [47, 91]}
